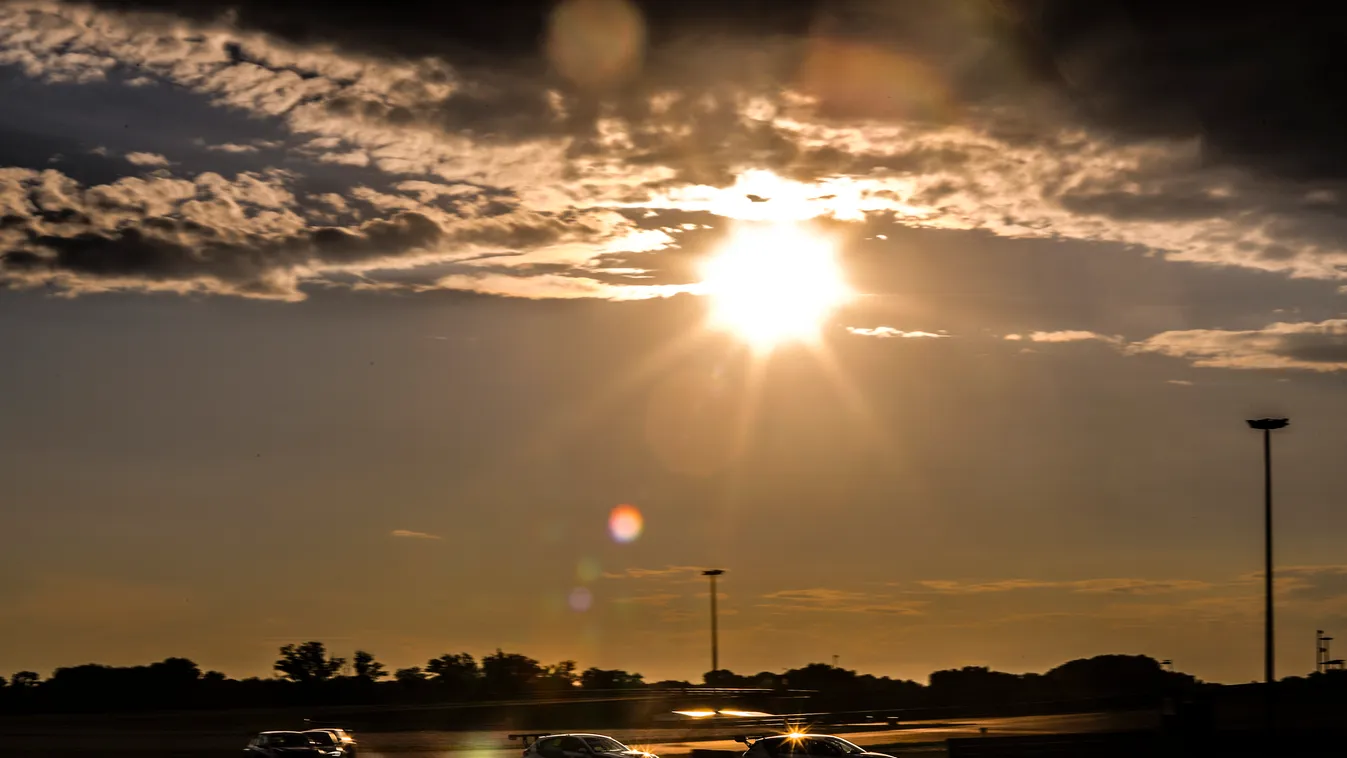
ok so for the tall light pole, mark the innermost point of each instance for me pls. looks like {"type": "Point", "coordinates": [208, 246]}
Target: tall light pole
{"type": "Point", "coordinates": [1267, 426]}
{"type": "Point", "coordinates": [715, 644]}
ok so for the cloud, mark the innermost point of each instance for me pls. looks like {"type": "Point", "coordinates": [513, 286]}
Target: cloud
{"type": "Point", "coordinates": [838, 601]}
{"type": "Point", "coordinates": [231, 147]}
{"type": "Point", "coordinates": [407, 533]}
{"type": "Point", "coordinates": [747, 114]}
{"type": "Point", "coordinates": [1305, 591]}
{"type": "Point", "coordinates": [251, 236]}
{"type": "Point", "coordinates": [147, 159]}
{"type": "Point", "coordinates": [885, 332]}
{"type": "Point", "coordinates": [1083, 586]}
{"type": "Point", "coordinates": [1309, 346]}
{"type": "Point", "coordinates": [668, 572]}
{"type": "Point", "coordinates": [554, 286]}
{"type": "Point", "coordinates": [352, 158]}
{"type": "Point", "coordinates": [1179, 382]}
{"type": "Point", "coordinates": [885, 60]}
{"type": "Point", "coordinates": [1063, 336]}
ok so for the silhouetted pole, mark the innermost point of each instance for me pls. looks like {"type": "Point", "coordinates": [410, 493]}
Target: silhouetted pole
{"type": "Point", "coordinates": [1266, 426]}
{"type": "Point", "coordinates": [715, 644]}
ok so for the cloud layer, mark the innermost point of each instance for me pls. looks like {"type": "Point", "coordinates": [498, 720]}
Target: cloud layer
{"type": "Point", "coordinates": [475, 159]}
{"type": "Point", "coordinates": [1303, 346]}
{"type": "Point", "coordinates": [1318, 346]}
{"type": "Point", "coordinates": [887, 332]}
{"type": "Point", "coordinates": [409, 534]}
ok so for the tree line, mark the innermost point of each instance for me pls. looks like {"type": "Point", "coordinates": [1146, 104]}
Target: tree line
{"type": "Point", "coordinates": [306, 674]}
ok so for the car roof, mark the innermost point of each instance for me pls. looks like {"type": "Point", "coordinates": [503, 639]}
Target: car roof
{"type": "Point", "coordinates": [280, 731]}
{"type": "Point", "coordinates": [577, 734]}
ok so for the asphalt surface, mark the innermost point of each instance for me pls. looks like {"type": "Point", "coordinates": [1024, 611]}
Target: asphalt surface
{"type": "Point", "coordinates": [915, 737]}
{"type": "Point", "coordinates": [39, 739]}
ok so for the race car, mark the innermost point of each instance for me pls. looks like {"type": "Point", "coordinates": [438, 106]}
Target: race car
{"type": "Point", "coordinates": [576, 746]}
{"type": "Point", "coordinates": [801, 745]}
{"type": "Point", "coordinates": [338, 742]}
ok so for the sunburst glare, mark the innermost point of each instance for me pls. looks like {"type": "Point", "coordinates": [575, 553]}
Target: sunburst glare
{"type": "Point", "coordinates": [771, 284]}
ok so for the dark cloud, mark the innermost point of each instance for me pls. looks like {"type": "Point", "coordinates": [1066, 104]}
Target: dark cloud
{"type": "Point", "coordinates": [489, 30]}
{"type": "Point", "coordinates": [1315, 348]}
{"type": "Point", "coordinates": [1255, 81]}
{"type": "Point", "coordinates": [1138, 207]}
{"type": "Point", "coordinates": [875, 109]}
{"type": "Point", "coordinates": [259, 266]}
{"type": "Point", "coordinates": [251, 236]}
{"type": "Point", "coordinates": [1320, 346]}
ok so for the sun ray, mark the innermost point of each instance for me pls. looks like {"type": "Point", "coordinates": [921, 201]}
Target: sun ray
{"type": "Point", "coordinates": [570, 421]}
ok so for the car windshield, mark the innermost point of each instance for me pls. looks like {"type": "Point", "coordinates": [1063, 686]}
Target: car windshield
{"type": "Point", "coordinates": [843, 747]}
{"type": "Point", "coordinates": [811, 746]}
{"type": "Point", "coordinates": [604, 744]}
{"type": "Point", "coordinates": [322, 738]}
{"type": "Point", "coordinates": [290, 740]}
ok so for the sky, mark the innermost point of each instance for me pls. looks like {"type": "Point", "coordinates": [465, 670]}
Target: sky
{"type": "Point", "coordinates": [358, 324]}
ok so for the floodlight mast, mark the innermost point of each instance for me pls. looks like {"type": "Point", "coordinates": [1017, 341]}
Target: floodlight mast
{"type": "Point", "coordinates": [1267, 426]}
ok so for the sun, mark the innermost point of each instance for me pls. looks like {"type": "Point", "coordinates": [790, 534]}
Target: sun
{"type": "Point", "coordinates": [774, 284]}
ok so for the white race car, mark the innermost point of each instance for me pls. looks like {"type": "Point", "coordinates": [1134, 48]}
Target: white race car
{"type": "Point", "coordinates": [805, 746]}
{"type": "Point", "coordinates": [577, 746]}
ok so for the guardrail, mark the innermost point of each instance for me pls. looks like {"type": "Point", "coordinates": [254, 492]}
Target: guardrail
{"type": "Point", "coordinates": [1090, 745]}
{"type": "Point", "coordinates": [1234, 743]}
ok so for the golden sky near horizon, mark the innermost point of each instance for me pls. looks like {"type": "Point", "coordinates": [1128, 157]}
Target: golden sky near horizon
{"type": "Point", "coordinates": [486, 327]}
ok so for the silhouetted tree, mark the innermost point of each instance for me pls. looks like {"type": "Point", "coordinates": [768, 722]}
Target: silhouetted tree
{"type": "Point", "coordinates": [973, 685]}
{"type": "Point", "coordinates": [725, 678]}
{"type": "Point", "coordinates": [600, 679]}
{"type": "Point", "coordinates": [1124, 681]}
{"type": "Point", "coordinates": [174, 672]}
{"type": "Point", "coordinates": [412, 675]}
{"type": "Point", "coordinates": [308, 663]}
{"type": "Point", "coordinates": [455, 673]}
{"type": "Point", "coordinates": [367, 668]}
{"type": "Point", "coordinates": [816, 676]}
{"type": "Point", "coordinates": [1114, 675]}
{"type": "Point", "coordinates": [562, 674]}
{"type": "Point", "coordinates": [508, 675]}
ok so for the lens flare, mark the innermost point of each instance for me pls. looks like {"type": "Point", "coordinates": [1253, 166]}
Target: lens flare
{"type": "Point", "coordinates": [580, 599]}
{"type": "Point", "coordinates": [625, 523]}
{"type": "Point", "coordinates": [851, 79]}
{"type": "Point", "coordinates": [596, 43]}
{"type": "Point", "coordinates": [587, 570]}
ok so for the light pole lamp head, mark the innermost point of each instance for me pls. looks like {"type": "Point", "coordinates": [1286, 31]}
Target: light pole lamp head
{"type": "Point", "coordinates": [1268, 424]}
{"type": "Point", "coordinates": [713, 572]}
